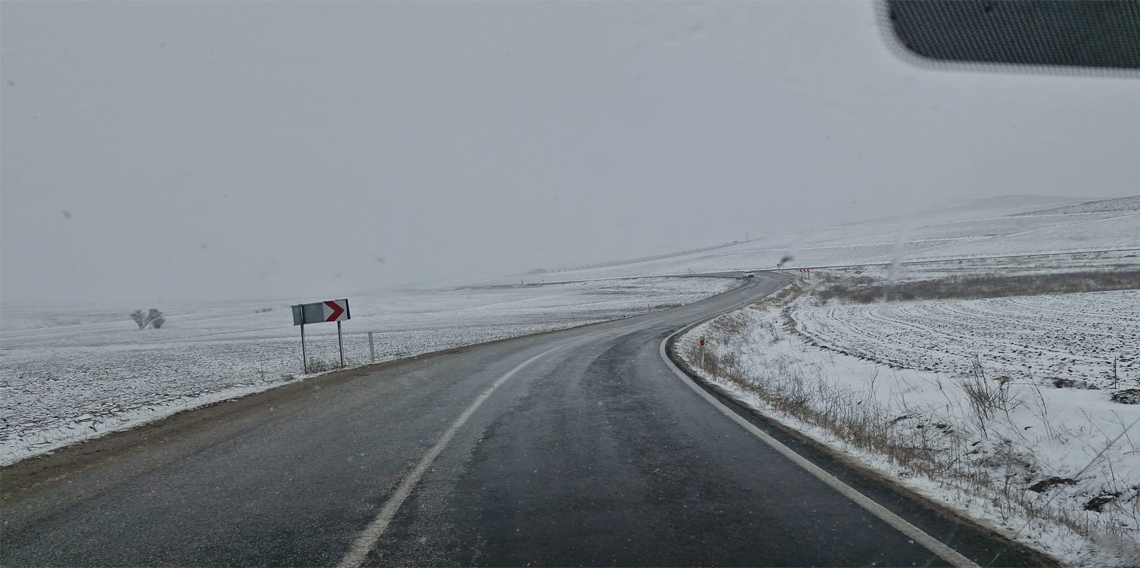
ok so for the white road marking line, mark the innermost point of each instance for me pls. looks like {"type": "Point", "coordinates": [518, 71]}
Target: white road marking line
{"type": "Point", "coordinates": [914, 533]}
{"type": "Point", "coordinates": [372, 533]}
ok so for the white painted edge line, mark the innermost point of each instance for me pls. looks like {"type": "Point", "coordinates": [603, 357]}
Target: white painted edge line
{"type": "Point", "coordinates": [358, 552]}
{"type": "Point", "coordinates": [932, 544]}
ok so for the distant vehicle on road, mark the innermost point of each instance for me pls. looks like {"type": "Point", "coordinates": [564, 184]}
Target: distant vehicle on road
{"type": "Point", "coordinates": [748, 275]}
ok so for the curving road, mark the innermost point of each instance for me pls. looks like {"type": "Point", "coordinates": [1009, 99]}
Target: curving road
{"type": "Point", "coordinates": [579, 447]}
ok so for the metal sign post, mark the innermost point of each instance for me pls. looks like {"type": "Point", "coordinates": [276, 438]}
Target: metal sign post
{"type": "Point", "coordinates": [340, 343]}
{"type": "Point", "coordinates": [318, 312]}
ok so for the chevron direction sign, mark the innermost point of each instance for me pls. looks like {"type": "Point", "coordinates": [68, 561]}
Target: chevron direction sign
{"type": "Point", "coordinates": [320, 312]}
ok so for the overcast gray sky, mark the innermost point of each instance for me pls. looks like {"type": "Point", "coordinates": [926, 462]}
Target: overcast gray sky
{"type": "Point", "coordinates": [158, 151]}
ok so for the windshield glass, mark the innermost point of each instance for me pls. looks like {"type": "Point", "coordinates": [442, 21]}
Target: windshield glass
{"type": "Point", "coordinates": [588, 265]}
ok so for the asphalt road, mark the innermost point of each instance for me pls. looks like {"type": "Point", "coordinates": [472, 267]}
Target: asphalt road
{"type": "Point", "coordinates": [579, 447]}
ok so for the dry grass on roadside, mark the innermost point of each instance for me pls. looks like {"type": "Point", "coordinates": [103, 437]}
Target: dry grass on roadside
{"type": "Point", "coordinates": [316, 365]}
{"type": "Point", "coordinates": [918, 442]}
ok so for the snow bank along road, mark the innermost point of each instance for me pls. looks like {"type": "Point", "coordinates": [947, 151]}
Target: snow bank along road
{"type": "Point", "coordinates": [577, 447]}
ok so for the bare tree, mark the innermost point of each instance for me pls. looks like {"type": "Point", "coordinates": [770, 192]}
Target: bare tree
{"type": "Point", "coordinates": [152, 318]}
{"type": "Point", "coordinates": [140, 318]}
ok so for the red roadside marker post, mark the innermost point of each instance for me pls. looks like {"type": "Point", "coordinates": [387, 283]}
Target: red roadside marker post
{"type": "Point", "coordinates": [321, 312]}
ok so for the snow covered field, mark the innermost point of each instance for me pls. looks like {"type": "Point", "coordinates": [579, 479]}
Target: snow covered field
{"type": "Point", "coordinates": [1090, 339]}
{"type": "Point", "coordinates": [73, 372]}
{"type": "Point", "coordinates": [957, 399]}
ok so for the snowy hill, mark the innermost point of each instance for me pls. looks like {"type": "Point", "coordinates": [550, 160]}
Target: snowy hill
{"type": "Point", "coordinates": [977, 229]}
{"type": "Point", "coordinates": [1103, 206]}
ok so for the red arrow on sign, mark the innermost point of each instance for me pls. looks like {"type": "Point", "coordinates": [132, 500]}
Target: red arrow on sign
{"type": "Point", "coordinates": [336, 310]}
